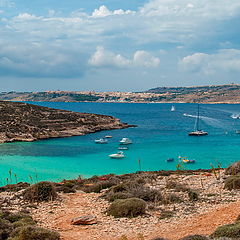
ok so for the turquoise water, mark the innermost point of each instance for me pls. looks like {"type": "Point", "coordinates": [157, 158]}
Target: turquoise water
{"type": "Point", "coordinates": [161, 134]}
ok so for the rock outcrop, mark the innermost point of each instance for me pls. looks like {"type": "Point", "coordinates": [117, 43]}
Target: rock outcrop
{"type": "Point", "coordinates": [27, 122]}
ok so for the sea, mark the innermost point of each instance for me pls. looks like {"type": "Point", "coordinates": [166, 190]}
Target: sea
{"type": "Point", "coordinates": [160, 134]}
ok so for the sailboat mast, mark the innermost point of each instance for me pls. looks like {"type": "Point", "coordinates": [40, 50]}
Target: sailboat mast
{"type": "Point", "coordinates": [198, 118]}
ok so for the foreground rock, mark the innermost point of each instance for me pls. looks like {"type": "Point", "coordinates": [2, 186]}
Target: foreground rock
{"type": "Point", "coordinates": [27, 122]}
{"type": "Point", "coordinates": [84, 220]}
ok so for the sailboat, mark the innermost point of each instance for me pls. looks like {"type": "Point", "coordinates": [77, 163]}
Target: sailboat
{"type": "Point", "coordinates": [173, 108]}
{"type": "Point", "coordinates": [197, 132]}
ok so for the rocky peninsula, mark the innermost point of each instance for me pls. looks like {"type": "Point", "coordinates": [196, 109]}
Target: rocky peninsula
{"type": "Point", "coordinates": [26, 122]}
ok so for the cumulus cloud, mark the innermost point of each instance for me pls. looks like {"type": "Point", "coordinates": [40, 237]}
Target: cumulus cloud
{"type": "Point", "coordinates": [103, 11]}
{"type": "Point", "coordinates": [103, 58]}
{"type": "Point", "coordinates": [143, 58]}
{"type": "Point", "coordinates": [225, 60]}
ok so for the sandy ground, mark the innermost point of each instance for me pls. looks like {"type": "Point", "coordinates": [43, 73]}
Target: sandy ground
{"type": "Point", "coordinates": [58, 216]}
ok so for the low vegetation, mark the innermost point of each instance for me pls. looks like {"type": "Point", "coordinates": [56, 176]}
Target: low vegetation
{"type": "Point", "coordinates": [232, 182]}
{"type": "Point", "coordinates": [229, 231]}
{"type": "Point", "coordinates": [233, 169]}
{"type": "Point", "coordinates": [131, 207]}
{"type": "Point", "coordinates": [195, 237]}
{"type": "Point", "coordinates": [21, 226]}
{"type": "Point", "coordinates": [39, 192]}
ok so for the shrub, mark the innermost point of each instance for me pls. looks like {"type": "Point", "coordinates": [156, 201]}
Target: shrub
{"type": "Point", "coordinates": [39, 192]}
{"type": "Point", "coordinates": [5, 229]}
{"type": "Point", "coordinates": [172, 198]}
{"type": "Point", "coordinates": [33, 233]}
{"type": "Point", "coordinates": [233, 169]}
{"type": "Point", "coordinates": [232, 182]}
{"type": "Point", "coordinates": [131, 207]}
{"type": "Point", "coordinates": [195, 237]}
{"type": "Point", "coordinates": [146, 194]}
{"type": "Point", "coordinates": [166, 214]}
{"type": "Point", "coordinates": [177, 186]}
{"type": "Point", "coordinates": [238, 218]}
{"type": "Point", "coordinates": [193, 196]}
{"type": "Point", "coordinates": [97, 187]}
{"type": "Point", "coordinates": [230, 230]}
{"type": "Point", "coordinates": [14, 217]}
{"type": "Point", "coordinates": [24, 222]}
{"type": "Point", "coordinates": [118, 195]}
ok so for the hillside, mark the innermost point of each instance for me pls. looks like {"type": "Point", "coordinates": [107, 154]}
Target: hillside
{"type": "Point", "coordinates": [27, 122]}
{"type": "Point", "coordinates": [204, 94]}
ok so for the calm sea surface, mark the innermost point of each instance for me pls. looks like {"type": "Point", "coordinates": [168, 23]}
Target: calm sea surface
{"type": "Point", "coordinates": [161, 134]}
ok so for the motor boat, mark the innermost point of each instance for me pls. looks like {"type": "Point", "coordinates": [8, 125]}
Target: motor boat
{"type": "Point", "coordinates": [125, 141]}
{"type": "Point", "coordinates": [170, 159]}
{"type": "Point", "coordinates": [101, 140]}
{"type": "Point", "coordinates": [186, 160]}
{"type": "Point", "coordinates": [117, 155]}
{"type": "Point", "coordinates": [108, 136]}
{"type": "Point", "coordinates": [122, 148]}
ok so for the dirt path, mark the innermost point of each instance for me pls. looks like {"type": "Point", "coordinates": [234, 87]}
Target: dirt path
{"type": "Point", "coordinates": [58, 216]}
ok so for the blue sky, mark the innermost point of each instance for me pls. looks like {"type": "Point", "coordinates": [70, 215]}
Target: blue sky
{"type": "Point", "coordinates": [120, 45]}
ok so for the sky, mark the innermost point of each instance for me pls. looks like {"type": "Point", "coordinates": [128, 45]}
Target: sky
{"type": "Point", "coordinates": [117, 45]}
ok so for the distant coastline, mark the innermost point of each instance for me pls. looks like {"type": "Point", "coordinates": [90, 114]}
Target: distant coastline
{"type": "Point", "coordinates": [216, 94]}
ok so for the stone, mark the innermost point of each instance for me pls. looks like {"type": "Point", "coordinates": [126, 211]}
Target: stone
{"type": "Point", "coordinates": [84, 220]}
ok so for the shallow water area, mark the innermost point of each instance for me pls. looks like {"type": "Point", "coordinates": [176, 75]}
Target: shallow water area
{"type": "Point", "coordinates": [161, 134]}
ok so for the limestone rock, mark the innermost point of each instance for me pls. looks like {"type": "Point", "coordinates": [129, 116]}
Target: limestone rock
{"type": "Point", "coordinates": [84, 220]}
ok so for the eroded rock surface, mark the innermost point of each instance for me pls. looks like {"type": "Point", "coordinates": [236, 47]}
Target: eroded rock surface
{"type": "Point", "coordinates": [27, 122]}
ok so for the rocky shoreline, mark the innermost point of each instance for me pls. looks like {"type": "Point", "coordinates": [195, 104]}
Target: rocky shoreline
{"type": "Point", "coordinates": [27, 122]}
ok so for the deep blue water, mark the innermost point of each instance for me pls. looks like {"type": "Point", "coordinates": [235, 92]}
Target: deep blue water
{"type": "Point", "coordinates": [161, 134]}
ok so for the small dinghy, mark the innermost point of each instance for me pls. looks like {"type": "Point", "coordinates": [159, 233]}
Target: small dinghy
{"type": "Point", "coordinates": [117, 155]}
{"type": "Point", "coordinates": [122, 148]}
{"type": "Point", "coordinates": [101, 141]}
{"type": "Point", "coordinates": [170, 160]}
{"type": "Point", "coordinates": [108, 136]}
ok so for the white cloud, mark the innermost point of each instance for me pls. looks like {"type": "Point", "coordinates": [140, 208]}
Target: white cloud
{"type": "Point", "coordinates": [143, 58]}
{"type": "Point", "coordinates": [103, 58]}
{"type": "Point", "coordinates": [26, 17]}
{"type": "Point", "coordinates": [225, 60]}
{"type": "Point", "coordinates": [103, 11]}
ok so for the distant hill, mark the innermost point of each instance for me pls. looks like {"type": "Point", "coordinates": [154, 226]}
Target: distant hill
{"type": "Point", "coordinates": [203, 94]}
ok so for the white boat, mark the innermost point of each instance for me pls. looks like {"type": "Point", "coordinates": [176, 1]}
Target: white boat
{"type": "Point", "coordinates": [235, 116]}
{"type": "Point", "coordinates": [197, 132]}
{"type": "Point", "coordinates": [122, 148]}
{"type": "Point", "coordinates": [117, 155]}
{"type": "Point", "coordinates": [101, 140]}
{"type": "Point", "coordinates": [108, 136]}
{"type": "Point", "coordinates": [173, 108]}
{"type": "Point", "coordinates": [125, 141]}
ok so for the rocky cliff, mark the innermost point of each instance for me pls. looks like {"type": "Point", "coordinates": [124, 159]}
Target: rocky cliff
{"type": "Point", "coordinates": [27, 122]}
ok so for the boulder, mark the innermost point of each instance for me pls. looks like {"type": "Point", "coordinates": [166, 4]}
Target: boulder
{"type": "Point", "coordinates": [84, 220]}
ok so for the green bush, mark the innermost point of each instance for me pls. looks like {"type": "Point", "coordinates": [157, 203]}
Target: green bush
{"type": "Point", "coordinates": [233, 169]}
{"type": "Point", "coordinates": [131, 207]}
{"type": "Point", "coordinates": [39, 192]}
{"type": "Point", "coordinates": [195, 237]}
{"type": "Point", "coordinates": [232, 182]}
{"type": "Point", "coordinates": [118, 195]}
{"type": "Point", "coordinates": [97, 187]}
{"type": "Point", "coordinates": [172, 198]}
{"type": "Point", "coordinates": [193, 196]}
{"type": "Point", "coordinates": [24, 222]}
{"type": "Point", "coordinates": [166, 214]}
{"type": "Point", "coordinates": [231, 231]}
{"type": "Point", "coordinates": [5, 229]}
{"type": "Point", "coordinates": [176, 186]}
{"type": "Point", "coordinates": [33, 233]}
